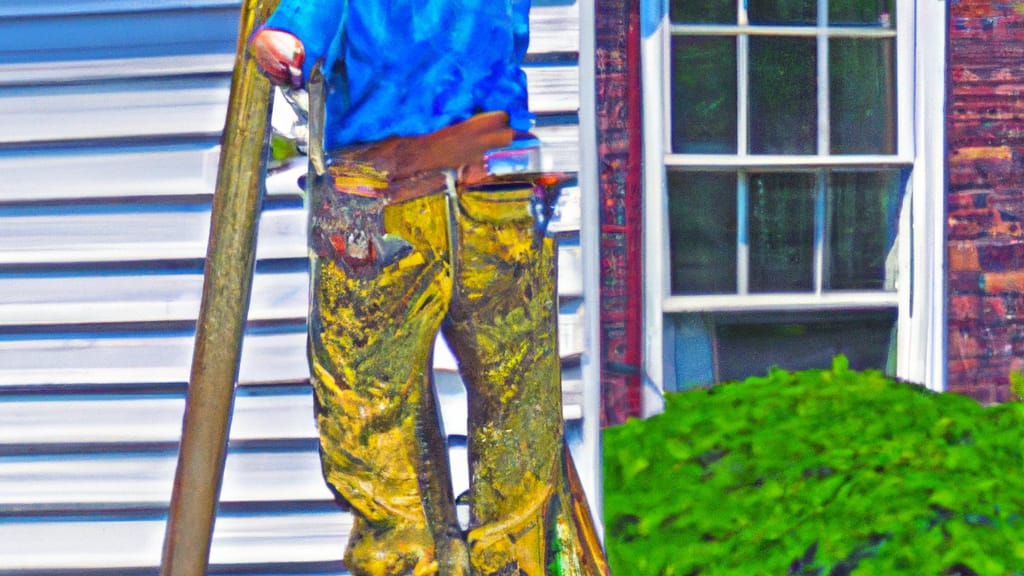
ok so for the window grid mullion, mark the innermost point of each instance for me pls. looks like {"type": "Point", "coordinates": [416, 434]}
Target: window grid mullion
{"type": "Point", "coordinates": [824, 117]}
{"type": "Point", "coordinates": [742, 85]}
{"type": "Point", "coordinates": [742, 233]}
{"type": "Point", "coordinates": [742, 147]}
{"type": "Point", "coordinates": [768, 30]}
{"type": "Point", "coordinates": [784, 162]}
{"type": "Point", "coordinates": [824, 147]}
{"type": "Point", "coordinates": [820, 229]}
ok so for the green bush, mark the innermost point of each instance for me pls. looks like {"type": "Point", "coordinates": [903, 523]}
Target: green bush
{"type": "Point", "coordinates": [822, 472]}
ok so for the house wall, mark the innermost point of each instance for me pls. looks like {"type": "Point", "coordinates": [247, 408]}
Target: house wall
{"type": "Point", "coordinates": [111, 114]}
{"type": "Point", "coordinates": [985, 198]}
{"type": "Point", "coordinates": [617, 79]}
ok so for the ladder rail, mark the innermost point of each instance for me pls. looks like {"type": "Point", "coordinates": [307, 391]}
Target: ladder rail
{"type": "Point", "coordinates": [227, 285]}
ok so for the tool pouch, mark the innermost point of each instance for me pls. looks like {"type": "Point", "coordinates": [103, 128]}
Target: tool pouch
{"type": "Point", "coordinates": [347, 200]}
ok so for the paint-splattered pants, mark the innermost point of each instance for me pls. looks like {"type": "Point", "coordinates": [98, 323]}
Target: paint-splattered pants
{"type": "Point", "coordinates": [478, 271]}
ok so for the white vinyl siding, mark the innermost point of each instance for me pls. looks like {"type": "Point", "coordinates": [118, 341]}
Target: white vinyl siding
{"type": "Point", "coordinates": [111, 113]}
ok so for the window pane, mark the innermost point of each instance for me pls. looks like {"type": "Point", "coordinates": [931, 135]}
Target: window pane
{"type": "Point", "coordinates": [863, 93]}
{"type": "Point", "coordinates": [691, 342]}
{"type": "Point", "coordinates": [703, 12]}
{"type": "Point", "coordinates": [862, 12]}
{"type": "Point", "coordinates": [782, 11]}
{"type": "Point", "coordinates": [702, 213]}
{"type": "Point", "coordinates": [781, 212]}
{"type": "Point", "coordinates": [703, 95]}
{"type": "Point", "coordinates": [783, 96]}
{"type": "Point", "coordinates": [863, 214]}
{"type": "Point", "coordinates": [750, 348]}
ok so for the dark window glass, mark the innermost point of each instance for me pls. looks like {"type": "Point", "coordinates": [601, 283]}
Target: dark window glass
{"type": "Point", "coordinates": [703, 95]}
{"type": "Point", "coordinates": [750, 346]}
{"type": "Point", "coordinates": [702, 213]}
{"type": "Point", "coordinates": [783, 96]}
{"type": "Point", "coordinates": [863, 94]}
{"type": "Point", "coordinates": [782, 11]}
{"type": "Point", "coordinates": [863, 213]}
{"type": "Point", "coordinates": [703, 12]}
{"type": "Point", "coordinates": [781, 233]}
{"type": "Point", "coordinates": [869, 12]}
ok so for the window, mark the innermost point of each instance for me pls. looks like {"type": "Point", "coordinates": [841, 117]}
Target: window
{"type": "Point", "coordinates": [780, 155]}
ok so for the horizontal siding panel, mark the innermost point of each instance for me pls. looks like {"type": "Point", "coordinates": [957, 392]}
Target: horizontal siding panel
{"type": "Point", "coordinates": [118, 298]}
{"type": "Point", "coordinates": [106, 420]}
{"type": "Point", "coordinates": [570, 270]}
{"type": "Point", "coordinates": [177, 106]}
{"type": "Point", "coordinates": [124, 174]}
{"type": "Point", "coordinates": [108, 173]}
{"type": "Point", "coordinates": [52, 238]}
{"type": "Point", "coordinates": [554, 88]}
{"type": "Point", "coordinates": [126, 34]}
{"type": "Point", "coordinates": [72, 481]}
{"type": "Point", "coordinates": [186, 172]}
{"type": "Point", "coordinates": [559, 147]}
{"type": "Point", "coordinates": [165, 106]}
{"type": "Point", "coordinates": [130, 359]}
{"type": "Point", "coordinates": [37, 32]}
{"type": "Point", "coordinates": [44, 299]}
{"type": "Point", "coordinates": [239, 539]}
{"type": "Point", "coordinates": [91, 360]}
{"type": "Point", "coordinates": [106, 69]}
{"type": "Point", "coordinates": [36, 8]}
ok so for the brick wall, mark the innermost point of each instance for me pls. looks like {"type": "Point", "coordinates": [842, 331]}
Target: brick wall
{"type": "Point", "coordinates": [985, 203]}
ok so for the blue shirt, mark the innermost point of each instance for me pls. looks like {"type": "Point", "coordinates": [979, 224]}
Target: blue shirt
{"type": "Point", "coordinates": [411, 66]}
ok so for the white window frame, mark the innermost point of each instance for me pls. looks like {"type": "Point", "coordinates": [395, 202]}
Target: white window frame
{"type": "Point", "coordinates": [919, 298]}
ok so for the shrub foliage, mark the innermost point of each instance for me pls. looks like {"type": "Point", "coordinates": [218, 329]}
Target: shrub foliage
{"type": "Point", "coordinates": [821, 472]}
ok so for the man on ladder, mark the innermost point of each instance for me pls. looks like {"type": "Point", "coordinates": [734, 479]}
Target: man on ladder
{"type": "Point", "coordinates": [411, 232]}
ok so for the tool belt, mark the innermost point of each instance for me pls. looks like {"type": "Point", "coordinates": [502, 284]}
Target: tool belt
{"type": "Point", "coordinates": [352, 185]}
{"type": "Point", "coordinates": [359, 181]}
{"type": "Point", "coordinates": [413, 167]}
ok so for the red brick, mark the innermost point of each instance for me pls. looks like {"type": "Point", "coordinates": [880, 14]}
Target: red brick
{"type": "Point", "coordinates": [1001, 257]}
{"type": "Point", "coordinates": [1002, 229]}
{"type": "Point", "coordinates": [964, 366]}
{"type": "Point", "coordinates": [1002, 282]}
{"type": "Point", "coordinates": [963, 346]}
{"type": "Point", "coordinates": [983, 394]}
{"type": "Point", "coordinates": [1007, 199]}
{"type": "Point", "coordinates": [994, 310]}
{"type": "Point", "coordinates": [969, 224]}
{"type": "Point", "coordinates": [1014, 307]}
{"type": "Point", "coordinates": [996, 370]}
{"type": "Point", "coordinates": [1004, 394]}
{"type": "Point", "coordinates": [963, 257]}
{"type": "Point", "coordinates": [975, 153]}
{"type": "Point", "coordinates": [964, 307]}
{"type": "Point", "coordinates": [967, 199]}
{"type": "Point", "coordinates": [964, 282]}
{"type": "Point", "coordinates": [996, 342]}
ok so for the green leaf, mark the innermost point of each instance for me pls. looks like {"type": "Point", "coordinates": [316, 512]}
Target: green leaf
{"type": "Point", "coordinates": [840, 364]}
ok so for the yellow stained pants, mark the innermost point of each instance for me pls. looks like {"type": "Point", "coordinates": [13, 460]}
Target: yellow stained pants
{"type": "Point", "coordinates": [477, 271]}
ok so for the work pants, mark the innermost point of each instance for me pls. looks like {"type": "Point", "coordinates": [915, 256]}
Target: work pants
{"type": "Point", "coordinates": [476, 269]}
